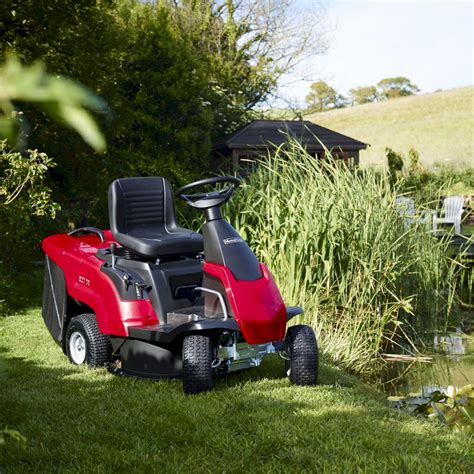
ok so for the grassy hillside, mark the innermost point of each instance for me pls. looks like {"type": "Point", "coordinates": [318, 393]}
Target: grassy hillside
{"type": "Point", "coordinates": [439, 125]}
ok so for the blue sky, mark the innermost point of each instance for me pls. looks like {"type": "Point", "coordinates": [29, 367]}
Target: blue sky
{"type": "Point", "coordinates": [429, 42]}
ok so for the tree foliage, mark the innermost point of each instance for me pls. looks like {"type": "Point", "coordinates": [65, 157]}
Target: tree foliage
{"type": "Point", "coordinates": [395, 161]}
{"type": "Point", "coordinates": [393, 87]}
{"type": "Point", "coordinates": [323, 97]}
{"type": "Point", "coordinates": [176, 74]}
{"type": "Point", "coordinates": [248, 45]}
{"type": "Point", "coordinates": [363, 95]}
{"type": "Point", "coordinates": [133, 56]}
{"type": "Point", "coordinates": [22, 179]}
{"type": "Point", "coordinates": [24, 195]}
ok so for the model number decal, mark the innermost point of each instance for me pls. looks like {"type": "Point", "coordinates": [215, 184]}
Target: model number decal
{"type": "Point", "coordinates": [232, 240]}
{"type": "Point", "coordinates": [84, 281]}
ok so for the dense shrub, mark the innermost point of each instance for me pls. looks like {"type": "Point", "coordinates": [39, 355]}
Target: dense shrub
{"type": "Point", "coordinates": [428, 186]}
{"type": "Point", "coordinates": [134, 57]}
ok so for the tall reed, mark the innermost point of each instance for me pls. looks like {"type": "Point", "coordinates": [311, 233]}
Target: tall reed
{"type": "Point", "coordinates": [337, 245]}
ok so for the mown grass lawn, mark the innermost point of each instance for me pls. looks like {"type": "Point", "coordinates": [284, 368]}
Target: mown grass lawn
{"type": "Point", "coordinates": [82, 420]}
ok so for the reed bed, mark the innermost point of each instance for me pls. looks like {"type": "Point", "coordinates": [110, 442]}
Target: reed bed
{"type": "Point", "coordinates": [337, 245]}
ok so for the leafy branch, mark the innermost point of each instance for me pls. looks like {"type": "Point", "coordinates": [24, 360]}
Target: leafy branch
{"type": "Point", "coordinates": [22, 177]}
{"type": "Point", "coordinates": [61, 98]}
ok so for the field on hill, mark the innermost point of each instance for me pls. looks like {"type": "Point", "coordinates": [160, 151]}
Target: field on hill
{"type": "Point", "coordinates": [439, 125]}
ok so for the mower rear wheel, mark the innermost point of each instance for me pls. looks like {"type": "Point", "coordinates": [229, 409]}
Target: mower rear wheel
{"type": "Point", "coordinates": [197, 364]}
{"type": "Point", "coordinates": [85, 343]}
{"type": "Point", "coordinates": [301, 347]}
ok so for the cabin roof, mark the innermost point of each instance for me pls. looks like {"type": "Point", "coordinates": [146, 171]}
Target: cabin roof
{"type": "Point", "coordinates": [269, 133]}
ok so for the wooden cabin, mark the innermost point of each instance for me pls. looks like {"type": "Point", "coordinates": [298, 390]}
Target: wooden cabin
{"type": "Point", "coordinates": [236, 151]}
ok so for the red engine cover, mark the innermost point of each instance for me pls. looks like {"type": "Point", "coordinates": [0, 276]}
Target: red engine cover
{"type": "Point", "coordinates": [257, 305]}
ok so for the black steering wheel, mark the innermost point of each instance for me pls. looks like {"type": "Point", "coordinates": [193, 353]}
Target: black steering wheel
{"type": "Point", "coordinates": [212, 198]}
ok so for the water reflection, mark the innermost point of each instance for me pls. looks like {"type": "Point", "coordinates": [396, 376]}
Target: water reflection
{"type": "Point", "coordinates": [452, 363]}
{"type": "Point", "coordinates": [451, 344]}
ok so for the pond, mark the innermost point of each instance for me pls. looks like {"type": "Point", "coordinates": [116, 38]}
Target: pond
{"type": "Point", "coordinates": [448, 359]}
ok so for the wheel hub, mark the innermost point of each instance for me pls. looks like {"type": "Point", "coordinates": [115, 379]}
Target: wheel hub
{"type": "Point", "coordinates": [77, 348]}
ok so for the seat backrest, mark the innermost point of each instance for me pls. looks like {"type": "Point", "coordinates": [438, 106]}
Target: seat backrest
{"type": "Point", "coordinates": [405, 205]}
{"type": "Point", "coordinates": [141, 203]}
{"type": "Point", "coordinates": [452, 206]}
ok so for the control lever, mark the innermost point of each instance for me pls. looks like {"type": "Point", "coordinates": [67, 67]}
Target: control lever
{"type": "Point", "coordinates": [113, 249]}
{"type": "Point", "coordinates": [139, 287]}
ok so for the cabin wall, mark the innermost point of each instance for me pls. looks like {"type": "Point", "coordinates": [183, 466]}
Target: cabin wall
{"type": "Point", "coordinates": [239, 160]}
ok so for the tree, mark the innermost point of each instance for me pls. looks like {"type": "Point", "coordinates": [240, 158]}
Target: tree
{"type": "Point", "coordinates": [176, 74]}
{"type": "Point", "coordinates": [249, 46]}
{"type": "Point", "coordinates": [362, 95]}
{"type": "Point", "coordinates": [133, 56]}
{"type": "Point", "coordinates": [393, 87]}
{"type": "Point", "coordinates": [323, 97]}
{"type": "Point", "coordinates": [78, 42]}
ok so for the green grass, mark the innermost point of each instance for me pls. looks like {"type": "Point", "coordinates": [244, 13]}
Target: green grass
{"type": "Point", "coordinates": [439, 125]}
{"type": "Point", "coordinates": [82, 420]}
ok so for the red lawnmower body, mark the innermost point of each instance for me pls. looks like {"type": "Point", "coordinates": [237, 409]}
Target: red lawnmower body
{"type": "Point", "coordinates": [257, 305]}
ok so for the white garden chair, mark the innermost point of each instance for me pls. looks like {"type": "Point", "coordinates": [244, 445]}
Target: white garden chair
{"type": "Point", "coordinates": [452, 211]}
{"type": "Point", "coordinates": [406, 208]}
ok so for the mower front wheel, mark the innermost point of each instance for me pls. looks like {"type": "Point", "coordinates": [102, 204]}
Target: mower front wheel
{"type": "Point", "coordinates": [301, 364]}
{"type": "Point", "coordinates": [197, 364]}
{"type": "Point", "coordinates": [85, 343]}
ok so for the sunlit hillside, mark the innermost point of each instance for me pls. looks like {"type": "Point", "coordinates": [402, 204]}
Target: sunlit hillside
{"type": "Point", "coordinates": [439, 125]}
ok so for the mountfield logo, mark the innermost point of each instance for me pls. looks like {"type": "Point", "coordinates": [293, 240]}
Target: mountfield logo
{"type": "Point", "coordinates": [232, 240]}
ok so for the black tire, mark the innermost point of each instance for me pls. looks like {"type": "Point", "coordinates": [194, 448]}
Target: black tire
{"type": "Point", "coordinates": [197, 364]}
{"type": "Point", "coordinates": [96, 346]}
{"type": "Point", "coordinates": [302, 351]}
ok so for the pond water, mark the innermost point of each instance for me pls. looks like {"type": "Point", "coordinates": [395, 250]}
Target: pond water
{"type": "Point", "coordinates": [449, 361]}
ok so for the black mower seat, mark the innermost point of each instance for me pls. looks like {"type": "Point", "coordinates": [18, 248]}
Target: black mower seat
{"type": "Point", "coordinates": [142, 219]}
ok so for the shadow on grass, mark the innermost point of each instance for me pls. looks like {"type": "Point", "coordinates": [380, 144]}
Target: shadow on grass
{"type": "Point", "coordinates": [273, 369]}
{"type": "Point", "coordinates": [80, 420]}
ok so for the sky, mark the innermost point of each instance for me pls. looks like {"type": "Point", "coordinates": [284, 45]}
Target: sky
{"type": "Point", "coordinates": [431, 43]}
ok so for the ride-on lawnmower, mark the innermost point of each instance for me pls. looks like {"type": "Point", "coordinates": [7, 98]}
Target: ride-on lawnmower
{"type": "Point", "coordinates": [164, 301]}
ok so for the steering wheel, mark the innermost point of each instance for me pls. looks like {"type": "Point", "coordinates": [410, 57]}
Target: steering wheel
{"type": "Point", "coordinates": [212, 198]}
